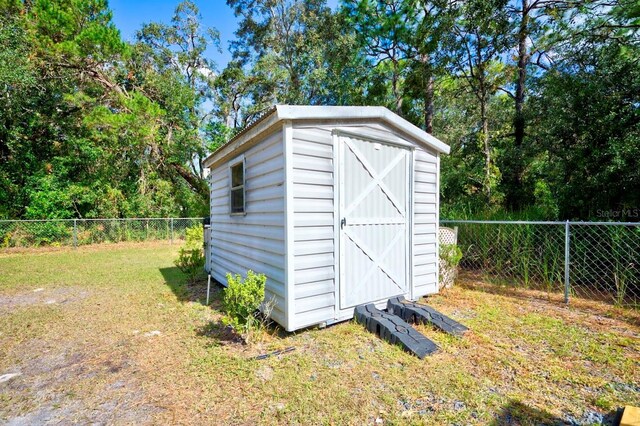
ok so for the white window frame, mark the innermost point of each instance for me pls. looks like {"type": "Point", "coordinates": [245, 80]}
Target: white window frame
{"type": "Point", "coordinates": [232, 164]}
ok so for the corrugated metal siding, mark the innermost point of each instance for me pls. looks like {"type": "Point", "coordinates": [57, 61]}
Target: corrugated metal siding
{"type": "Point", "coordinates": [425, 223]}
{"type": "Point", "coordinates": [254, 241]}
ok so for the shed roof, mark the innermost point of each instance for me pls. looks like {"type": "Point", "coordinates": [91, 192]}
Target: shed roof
{"type": "Point", "coordinates": [305, 112]}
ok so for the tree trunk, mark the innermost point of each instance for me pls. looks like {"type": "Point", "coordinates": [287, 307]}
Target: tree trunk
{"type": "Point", "coordinates": [196, 183]}
{"type": "Point", "coordinates": [428, 106]}
{"type": "Point", "coordinates": [483, 97]}
{"type": "Point", "coordinates": [394, 88]}
{"type": "Point", "coordinates": [428, 95]}
{"type": "Point", "coordinates": [513, 177]}
{"type": "Point", "coordinates": [523, 60]}
{"type": "Point", "coordinates": [486, 147]}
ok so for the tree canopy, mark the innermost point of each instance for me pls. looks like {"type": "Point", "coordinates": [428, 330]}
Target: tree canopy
{"type": "Point", "coordinates": [539, 99]}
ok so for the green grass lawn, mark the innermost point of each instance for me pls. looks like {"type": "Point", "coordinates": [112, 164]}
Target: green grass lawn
{"type": "Point", "coordinates": [114, 335]}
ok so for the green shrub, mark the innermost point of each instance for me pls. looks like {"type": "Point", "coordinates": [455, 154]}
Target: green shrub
{"type": "Point", "coordinates": [242, 301]}
{"type": "Point", "coordinates": [191, 256]}
{"type": "Point", "coordinates": [190, 262]}
{"type": "Point", "coordinates": [194, 237]}
{"type": "Point", "coordinates": [450, 256]}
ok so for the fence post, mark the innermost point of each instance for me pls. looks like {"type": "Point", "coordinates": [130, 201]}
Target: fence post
{"type": "Point", "coordinates": [567, 259]}
{"type": "Point", "coordinates": [171, 237]}
{"type": "Point", "coordinates": [75, 233]}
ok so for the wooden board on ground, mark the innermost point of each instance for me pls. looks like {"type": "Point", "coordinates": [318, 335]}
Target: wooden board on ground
{"type": "Point", "coordinates": [630, 416]}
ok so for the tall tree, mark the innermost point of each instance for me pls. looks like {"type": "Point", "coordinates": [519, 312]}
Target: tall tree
{"type": "Point", "coordinates": [385, 30]}
{"type": "Point", "coordinates": [18, 89]}
{"type": "Point", "coordinates": [100, 128]}
{"type": "Point", "coordinates": [587, 126]}
{"type": "Point", "coordinates": [179, 49]}
{"type": "Point", "coordinates": [283, 42]}
{"type": "Point", "coordinates": [482, 30]}
{"type": "Point", "coordinates": [403, 41]}
{"type": "Point", "coordinates": [435, 20]}
{"type": "Point", "coordinates": [534, 23]}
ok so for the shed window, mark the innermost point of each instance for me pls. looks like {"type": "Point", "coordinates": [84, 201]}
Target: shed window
{"type": "Point", "coordinates": [237, 188]}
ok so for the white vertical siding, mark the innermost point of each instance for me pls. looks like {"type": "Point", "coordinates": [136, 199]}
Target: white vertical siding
{"type": "Point", "coordinates": [289, 296]}
{"type": "Point", "coordinates": [315, 292]}
{"type": "Point", "coordinates": [313, 210]}
{"type": "Point", "coordinates": [256, 240]}
{"type": "Point", "coordinates": [425, 223]}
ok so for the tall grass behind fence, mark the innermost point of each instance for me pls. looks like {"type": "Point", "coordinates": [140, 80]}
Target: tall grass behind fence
{"type": "Point", "coordinates": [76, 232]}
{"type": "Point", "coordinates": [590, 260]}
{"type": "Point", "coordinates": [605, 261]}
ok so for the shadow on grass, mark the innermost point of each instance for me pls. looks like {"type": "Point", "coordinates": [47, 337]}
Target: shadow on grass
{"type": "Point", "coordinates": [220, 332]}
{"type": "Point", "coordinates": [195, 291]}
{"type": "Point", "coordinates": [224, 333]}
{"type": "Point", "coordinates": [553, 292]}
{"type": "Point", "coordinates": [478, 283]}
{"type": "Point", "coordinates": [518, 413]}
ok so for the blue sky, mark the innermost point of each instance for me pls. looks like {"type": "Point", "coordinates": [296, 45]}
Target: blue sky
{"type": "Point", "coordinates": [129, 15]}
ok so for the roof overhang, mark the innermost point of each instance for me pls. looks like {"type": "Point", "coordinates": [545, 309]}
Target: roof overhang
{"type": "Point", "coordinates": [339, 113]}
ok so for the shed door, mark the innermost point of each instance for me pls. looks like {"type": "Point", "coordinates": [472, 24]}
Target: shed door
{"type": "Point", "coordinates": [374, 226]}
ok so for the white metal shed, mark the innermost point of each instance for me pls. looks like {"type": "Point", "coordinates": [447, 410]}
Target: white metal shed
{"type": "Point", "coordinates": [337, 206]}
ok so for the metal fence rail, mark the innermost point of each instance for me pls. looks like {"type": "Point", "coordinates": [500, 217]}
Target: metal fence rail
{"type": "Point", "coordinates": [76, 232]}
{"type": "Point", "coordinates": [595, 260]}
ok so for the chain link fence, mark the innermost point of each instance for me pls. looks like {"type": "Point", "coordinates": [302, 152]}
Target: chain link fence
{"type": "Point", "coordinates": [594, 260]}
{"type": "Point", "coordinates": [77, 232]}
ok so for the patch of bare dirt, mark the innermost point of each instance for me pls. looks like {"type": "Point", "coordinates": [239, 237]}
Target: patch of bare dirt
{"type": "Point", "coordinates": [72, 385]}
{"type": "Point", "coordinates": [41, 296]}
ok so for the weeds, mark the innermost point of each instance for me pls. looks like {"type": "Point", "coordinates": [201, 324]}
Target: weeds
{"type": "Point", "coordinates": [450, 256]}
{"type": "Point", "coordinates": [603, 259]}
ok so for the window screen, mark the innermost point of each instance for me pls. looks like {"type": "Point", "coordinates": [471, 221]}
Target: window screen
{"type": "Point", "coordinates": [237, 188]}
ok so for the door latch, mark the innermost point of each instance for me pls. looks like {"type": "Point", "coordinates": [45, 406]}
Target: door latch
{"type": "Point", "coordinates": [343, 222]}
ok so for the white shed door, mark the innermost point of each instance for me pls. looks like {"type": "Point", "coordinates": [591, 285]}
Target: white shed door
{"type": "Point", "coordinates": [374, 221]}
